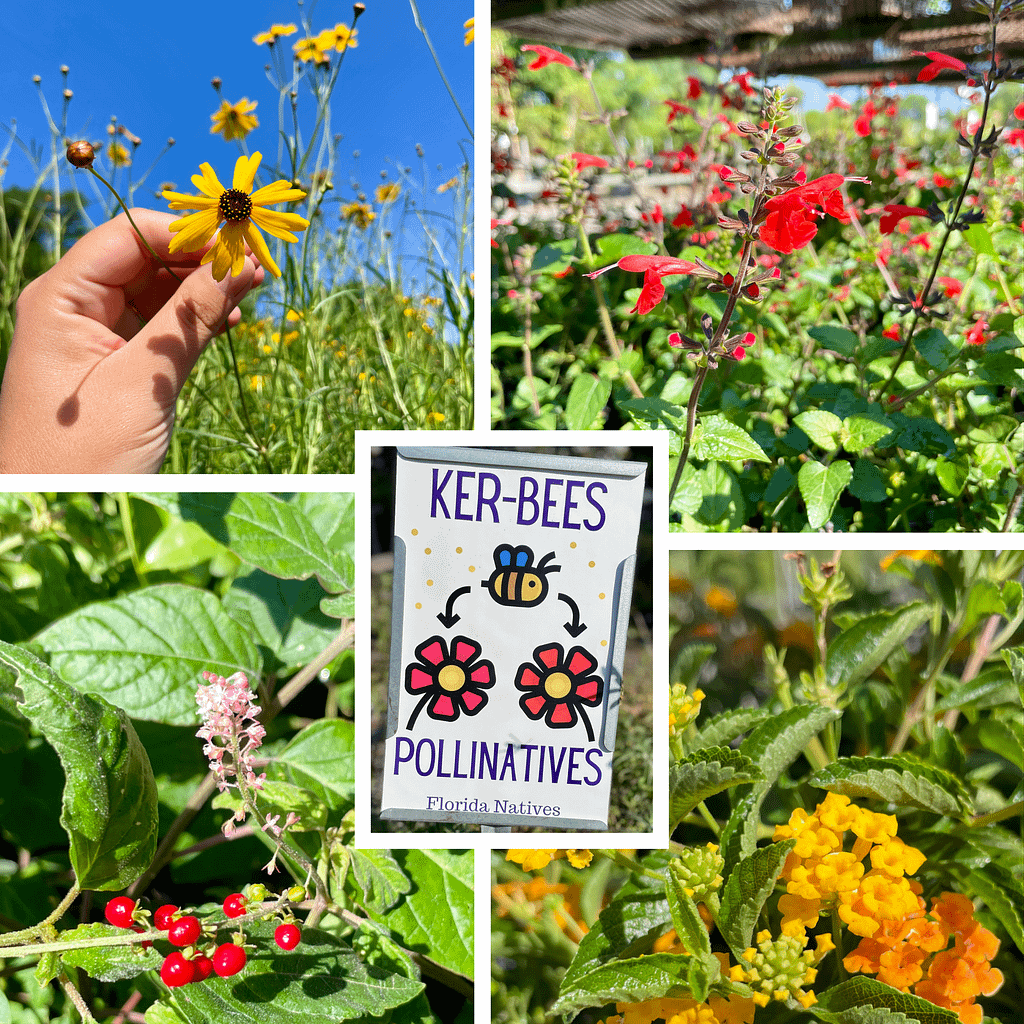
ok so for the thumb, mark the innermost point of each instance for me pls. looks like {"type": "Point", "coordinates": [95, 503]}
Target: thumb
{"type": "Point", "coordinates": [171, 343]}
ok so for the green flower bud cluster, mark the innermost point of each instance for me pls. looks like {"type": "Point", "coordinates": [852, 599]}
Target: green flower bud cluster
{"type": "Point", "coordinates": [699, 868]}
{"type": "Point", "coordinates": [778, 969]}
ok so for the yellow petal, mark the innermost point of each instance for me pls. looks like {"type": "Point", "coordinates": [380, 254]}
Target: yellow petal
{"type": "Point", "coordinates": [279, 224]}
{"type": "Point", "coordinates": [245, 171]}
{"type": "Point", "coordinates": [278, 192]}
{"type": "Point", "coordinates": [259, 247]}
{"type": "Point", "coordinates": [180, 201]}
{"type": "Point", "coordinates": [208, 183]}
{"type": "Point", "coordinates": [193, 231]}
{"type": "Point", "coordinates": [233, 243]}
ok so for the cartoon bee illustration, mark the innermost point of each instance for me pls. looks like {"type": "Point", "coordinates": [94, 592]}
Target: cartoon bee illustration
{"type": "Point", "coordinates": [516, 581]}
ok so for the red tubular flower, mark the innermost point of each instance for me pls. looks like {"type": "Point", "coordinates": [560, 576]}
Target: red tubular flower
{"type": "Point", "coordinates": [976, 335]}
{"type": "Point", "coordinates": [586, 160]}
{"type": "Point", "coordinates": [792, 219]}
{"type": "Point", "coordinates": [546, 56]}
{"type": "Point", "coordinates": [894, 213]}
{"type": "Point", "coordinates": [695, 87]}
{"type": "Point", "coordinates": [677, 109]}
{"type": "Point", "coordinates": [939, 62]}
{"type": "Point", "coordinates": [683, 219]}
{"type": "Point", "coordinates": [654, 268]}
{"type": "Point", "coordinates": [862, 126]}
{"type": "Point", "coordinates": [836, 103]}
{"type": "Point", "coordinates": [951, 287]}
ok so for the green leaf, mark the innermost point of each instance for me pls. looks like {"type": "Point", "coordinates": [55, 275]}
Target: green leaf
{"type": "Point", "coordinates": [723, 441]}
{"type": "Point", "coordinates": [900, 780]}
{"type": "Point", "coordinates": [555, 257]}
{"type": "Point", "coordinates": [281, 798]}
{"type": "Point", "coordinates": [687, 664]}
{"type": "Point", "coordinates": [820, 487]}
{"type": "Point", "coordinates": [685, 917]}
{"type": "Point", "coordinates": [978, 238]}
{"type": "Point", "coordinates": [324, 754]}
{"type": "Point", "coordinates": [1003, 900]}
{"type": "Point", "coordinates": [988, 689]}
{"type": "Point", "coordinates": [860, 432]}
{"type": "Point", "coordinates": [110, 803]}
{"type": "Point", "coordinates": [702, 774]}
{"type": "Point", "coordinates": [587, 397]}
{"type": "Point", "coordinates": [952, 473]}
{"type": "Point", "coordinates": [724, 728]}
{"type": "Point", "coordinates": [919, 434]}
{"type": "Point", "coordinates": [868, 483]}
{"type": "Point", "coordinates": [321, 981]}
{"type": "Point", "coordinates": [823, 428]}
{"type": "Point", "coordinates": [436, 916]}
{"type": "Point", "coordinates": [1003, 738]}
{"type": "Point", "coordinates": [856, 652]}
{"type": "Point", "coordinates": [146, 650]}
{"type": "Point", "coordinates": [750, 884]}
{"type": "Point", "coordinates": [838, 339]}
{"type": "Point", "coordinates": [625, 981]}
{"type": "Point", "coordinates": [935, 348]}
{"type": "Point", "coordinates": [613, 247]}
{"type": "Point", "coordinates": [1014, 658]}
{"type": "Point", "coordinates": [380, 877]}
{"type": "Point", "coordinates": [846, 1003]}
{"type": "Point", "coordinates": [108, 963]}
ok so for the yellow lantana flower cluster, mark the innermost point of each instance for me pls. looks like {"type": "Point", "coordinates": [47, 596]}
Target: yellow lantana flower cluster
{"type": "Point", "coordinates": [819, 871]}
{"type": "Point", "coordinates": [538, 895]}
{"type": "Point", "coordinates": [536, 860]}
{"type": "Point", "coordinates": [683, 707]}
{"type": "Point", "coordinates": [779, 968]}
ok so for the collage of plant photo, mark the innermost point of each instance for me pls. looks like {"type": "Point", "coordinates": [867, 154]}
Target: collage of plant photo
{"type": "Point", "coordinates": [605, 558]}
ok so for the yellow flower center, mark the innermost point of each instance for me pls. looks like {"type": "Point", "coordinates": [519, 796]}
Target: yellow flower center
{"type": "Point", "coordinates": [451, 678]}
{"type": "Point", "coordinates": [235, 205]}
{"type": "Point", "coordinates": [557, 685]}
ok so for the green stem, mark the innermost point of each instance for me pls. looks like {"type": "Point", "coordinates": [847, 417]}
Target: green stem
{"type": "Point", "coordinates": [53, 918]}
{"type": "Point", "coordinates": [709, 819]}
{"type": "Point", "coordinates": [837, 938]}
{"type": "Point", "coordinates": [437, 63]}
{"type": "Point", "coordinates": [261, 449]}
{"type": "Point", "coordinates": [34, 949]}
{"type": "Point", "coordinates": [1007, 812]}
{"type": "Point", "coordinates": [628, 863]}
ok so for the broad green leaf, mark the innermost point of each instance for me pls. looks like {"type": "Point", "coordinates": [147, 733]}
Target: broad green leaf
{"type": "Point", "coordinates": [836, 1004]}
{"type": "Point", "coordinates": [324, 752]}
{"type": "Point", "coordinates": [702, 774]}
{"type": "Point", "coordinates": [860, 432]}
{"type": "Point", "coordinates": [823, 428]}
{"type": "Point", "coordinates": [952, 473]}
{"type": "Point", "coordinates": [181, 545]}
{"type": "Point", "coordinates": [838, 339]}
{"type": "Point", "coordinates": [380, 877]}
{"type": "Point", "coordinates": [687, 664]}
{"type": "Point", "coordinates": [685, 917]}
{"type": "Point", "coordinates": [867, 483]}
{"type": "Point", "coordinates": [1014, 658]}
{"type": "Point", "coordinates": [321, 981]}
{"type": "Point", "coordinates": [613, 247]}
{"type": "Point", "coordinates": [750, 884]}
{"type": "Point", "coordinates": [724, 728]}
{"type": "Point", "coordinates": [146, 650]}
{"type": "Point", "coordinates": [935, 348]}
{"type": "Point", "coordinates": [625, 981]}
{"type": "Point", "coordinates": [108, 963]}
{"type": "Point", "coordinates": [919, 434]}
{"type": "Point", "coordinates": [978, 238]}
{"type": "Point", "coordinates": [587, 397]}
{"type": "Point", "coordinates": [110, 803]}
{"type": "Point", "coordinates": [723, 441]}
{"type": "Point", "coordinates": [901, 780]}
{"type": "Point", "coordinates": [5, 1010]}
{"type": "Point", "coordinates": [989, 689]}
{"type": "Point", "coordinates": [856, 652]}
{"type": "Point", "coordinates": [555, 257]}
{"type": "Point", "coordinates": [1003, 738]}
{"type": "Point", "coordinates": [280, 799]}
{"type": "Point", "coordinates": [436, 915]}
{"type": "Point", "coordinates": [163, 1013]}
{"type": "Point", "coordinates": [820, 487]}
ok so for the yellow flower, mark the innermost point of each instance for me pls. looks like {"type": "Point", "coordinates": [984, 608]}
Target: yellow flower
{"type": "Point", "coordinates": [118, 155]}
{"type": "Point", "coordinates": [468, 26]}
{"type": "Point", "coordinates": [435, 417]}
{"type": "Point", "coordinates": [721, 600]}
{"type": "Point", "coordinates": [276, 31]}
{"type": "Point", "coordinates": [579, 858]}
{"type": "Point", "coordinates": [931, 557]}
{"type": "Point", "coordinates": [531, 860]}
{"type": "Point", "coordinates": [343, 37]}
{"type": "Point", "coordinates": [360, 213]}
{"type": "Point", "coordinates": [234, 120]}
{"type": "Point", "coordinates": [388, 193]}
{"type": "Point", "coordinates": [310, 50]}
{"type": "Point", "coordinates": [450, 183]}
{"type": "Point", "coordinates": [239, 213]}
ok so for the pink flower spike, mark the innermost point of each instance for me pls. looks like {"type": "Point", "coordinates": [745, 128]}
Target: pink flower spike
{"type": "Point", "coordinates": [939, 62]}
{"type": "Point", "coordinates": [546, 56]}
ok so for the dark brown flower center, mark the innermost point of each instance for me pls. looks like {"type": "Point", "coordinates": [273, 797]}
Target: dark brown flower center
{"type": "Point", "coordinates": [235, 205]}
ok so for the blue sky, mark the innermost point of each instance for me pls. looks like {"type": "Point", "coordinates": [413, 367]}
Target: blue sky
{"type": "Point", "coordinates": [151, 66]}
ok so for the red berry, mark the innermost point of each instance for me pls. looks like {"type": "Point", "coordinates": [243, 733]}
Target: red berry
{"type": "Point", "coordinates": [184, 931]}
{"type": "Point", "coordinates": [203, 966]}
{"type": "Point", "coordinates": [164, 916]}
{"type": "Point", "coordinates": [234, 905]}
{"type": "Point", "coordinates": [119, 912]}
{"type": "Point", "coordinates": [287, 936]}
{"type": "Point", "coordinates": [176, 970]}
{"type": "Point", "coordinates": [229, 959]}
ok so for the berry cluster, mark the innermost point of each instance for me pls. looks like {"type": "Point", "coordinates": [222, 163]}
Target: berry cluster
{"type": "Point", "coordinates": [189, 963]}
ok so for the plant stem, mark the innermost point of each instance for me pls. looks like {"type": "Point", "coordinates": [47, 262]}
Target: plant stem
{"type": "Point", "coordinates": [993, 816]}
{"type": "Point", "coordinates": [10, 938]}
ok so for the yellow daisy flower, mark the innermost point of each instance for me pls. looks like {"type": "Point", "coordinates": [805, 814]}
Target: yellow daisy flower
{"type": "Point", "coordinates": [360, 213]}
{"type": "Point", "coordinates": [239, 213]}
{"type": "Point", "coordinates": [310, 50]}
{"type": "Point", "coordinates": [469, 27]}
{"type": "Point", "coordinates": [234, 120]}
{"type": "Point", "coordinates": [118, 155]}
{"type": "Point", "coordinates": [343, 36]}
{"type": "Point", "coordinates": [388, 193]}
{"type": "Point", "coordinates": [276, 31]}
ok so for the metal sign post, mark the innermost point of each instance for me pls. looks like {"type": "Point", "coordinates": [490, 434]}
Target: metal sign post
{"type": "Point", "coordinates": [513, 580]}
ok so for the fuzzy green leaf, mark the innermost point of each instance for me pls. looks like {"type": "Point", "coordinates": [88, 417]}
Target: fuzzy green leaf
{"type": "Point", "coordinates": [724, 728]}
{"type": "Point", "coordinates": [859, 650]}
{"type": "Point", "coordinates": [900, 780]}
{"type": "Point", "coordinates": [280, 799]}
{"type": "Point", "coordinates": [626, 981]}
{"type": "Point", "coordinates": [380, 877]}
{"type": "Point", "coordinates": [108, 963]}
{"type": "Point", "coordinates": [836, 1003]}
{"type": "Point", "coordinates": [1004, 901]}
{"type": "Point", "coordinates": [587, 397]}
{"type": "Point", "coordinates": [750, 884]}
{"type": "Point", "coordinates": [685, 916]}
{"type": "Point", "coordinates": [323, 758]}
{"type": "Point", "coordinates": [820, 487]}
{"type": "Point", "coordinates": [822, 427]}
{"type": "Point", "coordinates": [723, 441]}
{"type": "Point", "coordinates": [702, 774]}
{"type": "Point", "coordinates": [110, 803]}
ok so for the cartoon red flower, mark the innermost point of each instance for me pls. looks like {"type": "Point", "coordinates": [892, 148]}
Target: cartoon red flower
{"type": "Point", "coordinates": [451, 679]}
{"type": "Point", "coordinates": [558, 685]}
{"type": "Point", "coordinates": [546, 56]}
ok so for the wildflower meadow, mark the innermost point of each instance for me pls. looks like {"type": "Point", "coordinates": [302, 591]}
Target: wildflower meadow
{"type": "Point", "coordinates": [365, 317]}
{"type": "Point", "coordinates": [844, 782]}
{"type": "Point", "coordinates": [822, 307]}
{"type": "Point", "coordinates": [177, 744]}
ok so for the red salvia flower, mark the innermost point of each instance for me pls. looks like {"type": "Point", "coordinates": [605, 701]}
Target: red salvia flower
{"type": "Point", "coordinates": [894, 213]}
{"type": "Point", "coordinates": [677, 109]}
{"type": "Point", "coordinates": [695, 87]}
{"type": "Point", "coordinates": [939, 62]}
{"type": "Point", "coordinates": [951, 287]}
{"type": "Point", "coordinates": [586, 160]}
{"type": "Point", "coordinates": [836, 103]}
{"type": "Point", "coordinates": [683, 219]}
{"type": "Point", "coordinates": [976, 335]}
{"type": "Point", "coordinates": [654, 268]}
{"type": "Point", "coordinates": [546, 56]}
{"type": "Point", "coordinates": [792, 219]}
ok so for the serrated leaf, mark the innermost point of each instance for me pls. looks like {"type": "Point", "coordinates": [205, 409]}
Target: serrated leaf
{"type": "Point", "coordinates": [146, 650]}
{"type": "Point", "coordinates": [108, 963]}
{"type": "Point", "coordinates": [587, 397]}
{"type": "Point", "coordinates": [702, 774]}
{"type": "Point", "coordinates": [862, 432]}
{"type": "Point", "coordinates": [820, 487]}
{"type": "Point", "coordinates": [855, 993]}
{"type": "Point", "coordinates": [380, 877]}
{"type": "Point", "coordinates": [899, 780]}
{"type": "Point", "coordinates": [998, 900]}
{"type": "Point", "coordinates": [858, 651]}
{"type": "Point", "coordinates": [110, 802]}
{"type": "Point", "coordinates": [822, 427]}
{"type": "Point", "coordinates": [723, 441]}
{"type": "Point", "coordinates": [750, 884]}
{"type": "Point", "coordinates": [281, 798]}
{"type": "Point", "coordinates": [626, 981]}
{"type": "Point", "coordinates": [685, 917]}
{"type": "Point", "coordinates": [436, 916]}
{"type": "Point", "coordinates": [724, 728]}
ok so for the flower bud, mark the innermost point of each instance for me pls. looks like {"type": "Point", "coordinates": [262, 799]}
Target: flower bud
{"type": "Point", "coordinates": [68, 94]}
{"type": "Point", "coordinates": [64, 69]}
{"type": "Point", "coordinates": [216, 82]}
{"type": "Point", "coordinates": [296, 894]}
{"type": "Point", "coordinates": [81, 154]}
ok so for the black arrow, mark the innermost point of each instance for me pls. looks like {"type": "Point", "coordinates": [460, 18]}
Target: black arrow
{"type": "Point", "coordinates": [575, 627]}
{"type": "Point", "coordinates": [448, 617]}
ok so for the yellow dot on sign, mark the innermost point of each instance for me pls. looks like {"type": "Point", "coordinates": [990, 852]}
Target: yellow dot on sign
{"type": "Point", "coordinates": [573, 544]}
{"type": "Point", "coordinates": [601, 596]}
{"type": "Point", "coordinates": [430, 583]}
{"type": "Point", "coordinates": [472, 568]}
{"type": "Point", "coordinates": [451, 678]}
{"type": "Point", "coordinates": [418, 605]}
{"type": "Point", "coordinates": [557, 685]}
{"type": "Point", "coordinates": [591, 564]}
{"type": "Point", "coordinates": [415, 532]}
{"type": "Point", "coordinates": [458, 551]}
{"type": "Point", "coordinates": [604, 643]}
{"type": "Point", "coordinates": [426, 551]}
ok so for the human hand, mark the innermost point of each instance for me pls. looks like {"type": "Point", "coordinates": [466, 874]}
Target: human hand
{"type": "Point", "coordinates": [103, 343]}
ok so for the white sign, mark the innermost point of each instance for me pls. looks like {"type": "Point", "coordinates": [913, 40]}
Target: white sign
{"type": "Point", "coordinates": [513, 581]}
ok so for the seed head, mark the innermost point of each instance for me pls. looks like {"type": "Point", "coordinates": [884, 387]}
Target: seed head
{"type": "Point", "coordinates": [81, 153]}
{"type": "Point", "coordinates": [216, 82]}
